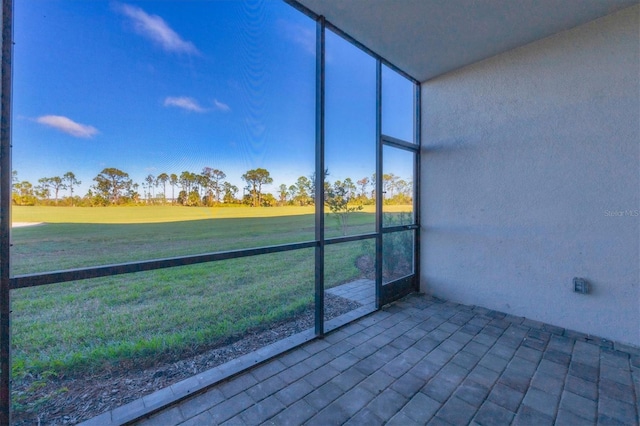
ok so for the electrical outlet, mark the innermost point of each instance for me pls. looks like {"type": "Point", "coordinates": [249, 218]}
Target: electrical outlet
{"type": "Point", "coordinates": [580, 285]}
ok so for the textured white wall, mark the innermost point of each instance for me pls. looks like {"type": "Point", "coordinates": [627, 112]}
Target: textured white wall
{"type": "Point", "coordinates": [528, 158]}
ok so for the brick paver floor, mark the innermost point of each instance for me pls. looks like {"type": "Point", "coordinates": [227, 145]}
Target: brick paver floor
{"type": "Point", "coordinates": [362, 291]}
{"type": "Point", "coordinates": [426, 361]}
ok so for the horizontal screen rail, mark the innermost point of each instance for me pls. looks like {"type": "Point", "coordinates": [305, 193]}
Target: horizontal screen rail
{"type": "Point", "coordinates": [399, 228]}
{"type": "Point", "coordinates": [399, 143]}
{"type": "Point", "coordinates": [349, 238]}
{"type": "Point", "coordinates": [38, 279]}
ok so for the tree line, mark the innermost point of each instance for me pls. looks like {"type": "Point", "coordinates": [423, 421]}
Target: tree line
{"type": "Point", "coordinates": [113, 186]}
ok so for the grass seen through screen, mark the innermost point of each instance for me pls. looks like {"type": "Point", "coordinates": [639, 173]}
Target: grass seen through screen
{"type": "Point", "coordinates": [132, 321]}
{"type": "Point", "coordinates": [81, 237]}
{"type": "Point", "coordinates": [66, 326]}
{"type": "Point", "coordinates": [69, 327]}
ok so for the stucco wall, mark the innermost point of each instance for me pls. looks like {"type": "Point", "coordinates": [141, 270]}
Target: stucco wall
{"type": "Point", "coordinates": [528, 159]}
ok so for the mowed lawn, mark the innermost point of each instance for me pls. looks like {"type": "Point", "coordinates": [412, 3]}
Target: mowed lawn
{"type": "Point", "coordinates": [72, 327]}
{"type": "Point", "coordinates": [73, 237]}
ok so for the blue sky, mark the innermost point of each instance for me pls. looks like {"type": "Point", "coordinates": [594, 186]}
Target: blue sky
{"type": "Point", "coordinates": [166, 86]}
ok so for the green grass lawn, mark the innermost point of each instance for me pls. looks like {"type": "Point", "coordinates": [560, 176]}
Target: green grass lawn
{"type": "Point", "coordinates": [147, 214]}
{"type": "Point", "coordinates": [136, 319]}
{"type": "Point", "coordinates": [75, 237]}
{"type": "Point", "coordinates": [71, 327]}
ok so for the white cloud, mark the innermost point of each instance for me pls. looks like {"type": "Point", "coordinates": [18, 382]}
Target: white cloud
{"type": "Point", "coordinates": [156, 29]}
{"type": "Point", "coordinates": [183, 102]}
{"type": "Point", "coordinates": [220, 106]}
{"type": "Point", "coordinates": [68, 126]}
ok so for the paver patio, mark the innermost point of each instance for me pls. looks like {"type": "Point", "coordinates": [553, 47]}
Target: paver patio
{"type": "Point", "coordinates": [425, 361]}
{"type": "Point", "coordinates": [362, 291]}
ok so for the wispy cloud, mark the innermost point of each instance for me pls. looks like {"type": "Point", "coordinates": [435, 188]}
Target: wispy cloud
{"type": "Point", "coordinates": [68, 126]}
{"type": "Point", "coordinates": [301, 35]}
{"type": "Point", "coordinates": [221, 106]}
{"type": "Point", "coordinates": [183, 102]}
{"type": "Point", "coordinates": [156, 29]}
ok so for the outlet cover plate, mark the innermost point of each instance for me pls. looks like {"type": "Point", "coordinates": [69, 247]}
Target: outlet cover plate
{"type": "Point", "coordinates": [580, 285]}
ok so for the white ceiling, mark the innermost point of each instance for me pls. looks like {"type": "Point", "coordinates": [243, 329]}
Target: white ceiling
{"type": "Point", "coordinates": [426, 38]}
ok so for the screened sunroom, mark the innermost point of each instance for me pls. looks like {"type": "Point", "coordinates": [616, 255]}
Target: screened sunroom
{"type": "Point", "coordinates": [193, 189]}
